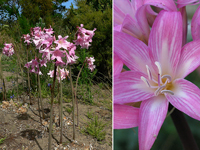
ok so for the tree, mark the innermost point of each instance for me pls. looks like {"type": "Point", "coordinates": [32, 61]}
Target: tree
{"type": "Point", "coordinates": [93, 16]}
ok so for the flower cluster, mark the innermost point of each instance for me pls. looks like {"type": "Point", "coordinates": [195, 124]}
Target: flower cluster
{"type": "Point", "coordinates": [63, 74]}
{"type": "Point", "coordinates": [90, 61]}
{"type": "Point", "coordinates": [153, 46]}
{"type": "Point", "coordinates": [58, 50]}
{"type": "Point", "coordinates": [8, 49]}
{"type": "Point", "coordinates": [84, 37]}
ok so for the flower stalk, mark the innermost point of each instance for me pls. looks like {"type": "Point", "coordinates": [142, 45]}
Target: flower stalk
{"type": "Point", "coordinates": [51, 112]}
{"type": "Point", "coordinates": [70, 72]}
{"type": "Point", "coordinates": [183, 129]}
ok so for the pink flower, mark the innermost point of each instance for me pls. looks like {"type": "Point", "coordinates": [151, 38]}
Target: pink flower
{"type": "Point", "coordinates": [90, 61]}
{"type": "Point", "coordinates": [49, 31]}
{"type": "Point", "coordinates": [133, 17]}
{"type": "Point", "coordinates": [8, 49]}
{"type": "Point", "coordinates": [62, 43]}
{"type": "Point", "coordinates": [71, 59]}
{"type": "Point", "coordinates": [57, 54]}
{"type": "Point", "coordinates": [27, 38]}
{"type": "Point", "coordinates": [63, 73]}
{"type": "Point", "coordinates": [157, 74]}
{"type": "Point", "coordinates": [84, 37]}
{"type": "Point", "coordinates": [34, 64]}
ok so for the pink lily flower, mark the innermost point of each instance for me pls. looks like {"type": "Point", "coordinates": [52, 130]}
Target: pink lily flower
{"type": "Point", "coordinates": [62, 43]}
{"type": "Point", "coordinates": [133, 17]}
{"type": "Point", "coordinates": [157, 75]}
{"type": "Point", "coordinates": [8, 49]}
{"type": "Point", "coordinates": [90, 61]}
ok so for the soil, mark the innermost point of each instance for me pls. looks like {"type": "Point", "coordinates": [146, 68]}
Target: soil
{"type": "Point", "coordinates": [21, 127]}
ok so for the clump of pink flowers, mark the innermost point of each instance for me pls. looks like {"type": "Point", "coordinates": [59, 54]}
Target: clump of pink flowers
{"type": "Point", "coordinates": [63, 74]}
{"type": "Point", "coordinates": [84, 37]}
{"type": "Point", "coordinates": [57, 50]}
{"type": "Point", "coordinates": [8, 49]}
{"type": "Point", "coordinates": [90, 62]}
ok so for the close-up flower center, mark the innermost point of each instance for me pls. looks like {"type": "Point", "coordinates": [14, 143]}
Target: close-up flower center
{"type": "Point", "coordinates": [162, 84]}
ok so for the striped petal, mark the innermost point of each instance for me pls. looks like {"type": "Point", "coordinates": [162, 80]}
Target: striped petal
{"type": "Point", "coordinates": [182, 3]}
{"type": "Point", "coordinates": [186, 98]}
{"type": "Point", "coordinates": [133, 52]}
{"type": "Point", "coordinates": [195, 25]}
{"type": "Point", "coordinates": [131, 27]}
{"type": "Point", "coordinates": [189, 59]}
{"type": "Point", "coordinates": [165, 40]}
{"type": "Point", "coordinates": [151, 117]}
{"type": "Point", "coordinates": [125, 116]}
{"type": "Point", "coordinates": [128, 87]}
{"type": "Point", "coordinates": [118, 65]}
{"type": "Point", "coordinates": [164, 4]}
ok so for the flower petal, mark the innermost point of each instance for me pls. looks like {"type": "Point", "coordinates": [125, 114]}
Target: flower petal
{"type": "Point", "coordinates": [131, 27]}
{"type": "Point", "coordinates": [189, 59]}
{"type": "Point", "coordinates": [133, 52]}
{"type": "Point", "coordinates": [151, 117]}
{"type": "Point", "coordinates": [128, 87]}
{"type": "Point", "coordinates": [125, 116]}
{"type": "Point", "coordinates": [182, 3]}
{"type": "Point", "coordinates": [121, 8]}
{"type": "Point", "coordinates": [118, 65]}
{"type": "Point", "coordinates": [195, 25]}
{"type": "Point", "coordinates": [186, 98]}
{"type": "Point", "coordinates": [165, 40]}
{"type": "Point", "coordinates": [164, 4]}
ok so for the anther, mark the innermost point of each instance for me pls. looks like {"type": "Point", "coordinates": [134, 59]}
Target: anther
{"type": "Point", "coordinates": [168, 77]}
{"type": "Point", "coordinates": [149, 72]}
{"type": "Point", "coordinates": [167, 91]}
{"type": "Point", "coordinates": [145, 81]}
{"type": "Point", "coordinates": [159, 67]}
{"type": "Point", "coordinates": [159, 89]}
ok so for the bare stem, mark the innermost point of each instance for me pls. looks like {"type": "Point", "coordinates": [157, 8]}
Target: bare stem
{"type": "Point", "coordinates": [28, 77]}
{"type": "Point", "coordinates": [61, 109]}
{"type": "Point", "coordinates": [40, 97]}
{"type": "Point", "coordinates": [75, 91]}
{"type": "Point", "coordinates": [183, 130]}
{"type": "Point", "coordinates": [51, 113]}
{"type": "Point", "coordinates": [70, 72]}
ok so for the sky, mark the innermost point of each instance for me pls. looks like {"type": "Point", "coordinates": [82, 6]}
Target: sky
{"type": "Point", "coordinates": [68, 4]}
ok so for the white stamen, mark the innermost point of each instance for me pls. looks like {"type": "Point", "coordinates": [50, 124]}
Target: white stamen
{"type": "Point", "coordinates": [167, 91]}
{"type": "Point", "coordinates": [149, 72]}
{"type": "Point", "coordinates": [168, 77]}
{"type": "Point", "coordinates": [159, 67]}
{"type": "Point", "coordinates": [145, 81]}
{"type": "Point", "coordinates": [158, 90]}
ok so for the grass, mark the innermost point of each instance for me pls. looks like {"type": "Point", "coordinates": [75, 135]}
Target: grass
{"type": "Point", "coordinates": [9, 78]}
{"type": "Point", "coordinates": [95, 128]}
{"type": "Point", "coordinates": [2, 140]}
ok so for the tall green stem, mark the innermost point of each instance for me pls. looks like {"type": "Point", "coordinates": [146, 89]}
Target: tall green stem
{"type": "Point", "coordinates": [51, 113]}
{"type": "Point", "coordinates": [183, 130]}
{"type": "Point", "coordinates": [70, 72]}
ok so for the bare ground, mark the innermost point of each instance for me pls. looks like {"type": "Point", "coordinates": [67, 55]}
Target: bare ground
{"type": "Point", "coordinates": [25, 131]}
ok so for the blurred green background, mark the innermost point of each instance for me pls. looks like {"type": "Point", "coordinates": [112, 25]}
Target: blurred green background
{"type": "Point", "coordinates": [168, 139]}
